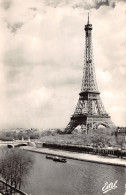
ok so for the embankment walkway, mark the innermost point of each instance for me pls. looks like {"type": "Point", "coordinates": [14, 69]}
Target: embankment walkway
{"type": "Point", "coordinates": [79, 156]}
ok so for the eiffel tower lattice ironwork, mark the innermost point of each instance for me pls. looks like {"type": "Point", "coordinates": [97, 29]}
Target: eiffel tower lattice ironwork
{"type": "Point", "coordinates": [90, 111]}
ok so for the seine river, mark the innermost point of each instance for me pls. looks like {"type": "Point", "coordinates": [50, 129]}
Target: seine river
{"type": "Point", "coordinates": [73, 178]}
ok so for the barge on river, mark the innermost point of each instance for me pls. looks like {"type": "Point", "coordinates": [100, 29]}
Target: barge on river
{"type": "Point", "coordinates": [56, 158]}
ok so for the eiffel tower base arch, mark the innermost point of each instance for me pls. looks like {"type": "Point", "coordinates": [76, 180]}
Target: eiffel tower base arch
{"type": "Point", "coordinates": [88, 124]}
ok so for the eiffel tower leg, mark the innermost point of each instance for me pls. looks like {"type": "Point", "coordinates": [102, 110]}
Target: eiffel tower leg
{"type": "Point", "coordinates": [70, 127]}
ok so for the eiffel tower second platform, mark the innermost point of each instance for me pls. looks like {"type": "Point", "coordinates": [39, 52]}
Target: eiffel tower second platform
{"type": "Point", "coordinates": [90, 111]}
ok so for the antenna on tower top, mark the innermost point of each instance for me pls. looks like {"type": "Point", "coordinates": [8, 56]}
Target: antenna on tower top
{"type": "Point", "coordinates": [88, 17]}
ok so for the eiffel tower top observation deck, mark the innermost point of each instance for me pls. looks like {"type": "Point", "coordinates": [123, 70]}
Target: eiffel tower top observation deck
{"type": "Point", "coordinates": [90, 111]}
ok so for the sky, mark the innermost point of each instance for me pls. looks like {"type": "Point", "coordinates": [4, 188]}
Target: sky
{"type": "Point", "coordinates": [42, 55]}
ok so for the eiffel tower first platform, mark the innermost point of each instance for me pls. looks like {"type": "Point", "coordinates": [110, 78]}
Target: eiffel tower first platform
{"type": "Point", "coordinates": [90, 111]}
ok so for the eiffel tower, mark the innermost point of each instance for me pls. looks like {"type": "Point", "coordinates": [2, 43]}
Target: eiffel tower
{"type": "Point", "coordinates": [90, 111]}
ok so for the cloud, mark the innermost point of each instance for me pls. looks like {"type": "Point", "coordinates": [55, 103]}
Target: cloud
{"type": "Point", "coordinates": [6, 4]}
{"type": "Point", "coordinates": [14, 27]}
{"type": "Point", "coordinates": [42, 54]}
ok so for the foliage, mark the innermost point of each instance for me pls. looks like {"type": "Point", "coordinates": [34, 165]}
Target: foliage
{"type": "Point", "coordinates": [51, 132]}
{"type": "Point", "coordinates": [15, 165]}
{"type": "Point", "coordinates": [17, 135]}
{"type": "Point", "coordinates": [100, 137]}
{"type": "Point", "coordinates": [121, 141]}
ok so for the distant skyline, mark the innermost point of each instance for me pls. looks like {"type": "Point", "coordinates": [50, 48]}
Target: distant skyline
{"type": "Point", "coordinates": [42, 55]}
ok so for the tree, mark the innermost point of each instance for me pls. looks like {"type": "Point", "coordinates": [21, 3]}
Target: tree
{"type": "Point", "coordinates": [15, 166]}
{"type": "Point", "coordinates": [100, 137]}
{"type": "Point", "coordinates": [121, 142]}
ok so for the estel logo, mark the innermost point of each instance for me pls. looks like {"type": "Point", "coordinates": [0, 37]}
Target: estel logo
{"type": "Point", "coordinates": [107, 187]}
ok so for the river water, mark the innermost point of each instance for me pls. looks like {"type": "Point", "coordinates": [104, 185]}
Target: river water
{"type": "Point", "coordinates": [73, 178]}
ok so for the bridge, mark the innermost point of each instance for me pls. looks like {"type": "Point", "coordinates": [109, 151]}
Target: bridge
{"type": "Point", "coordinates": [15, 143]}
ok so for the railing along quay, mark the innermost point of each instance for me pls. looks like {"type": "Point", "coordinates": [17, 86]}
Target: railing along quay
{"type": "Point", "coordinates": [3, 191]}
{"type": "Point", "coordinates": [85, 149]}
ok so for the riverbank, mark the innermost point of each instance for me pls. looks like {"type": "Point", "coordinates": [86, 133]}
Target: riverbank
{"type": "Point", "coordinates": [79, 156]}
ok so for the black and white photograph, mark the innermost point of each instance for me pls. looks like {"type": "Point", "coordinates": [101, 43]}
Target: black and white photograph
{"type": "Point", "coordinates": [62, 97]}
